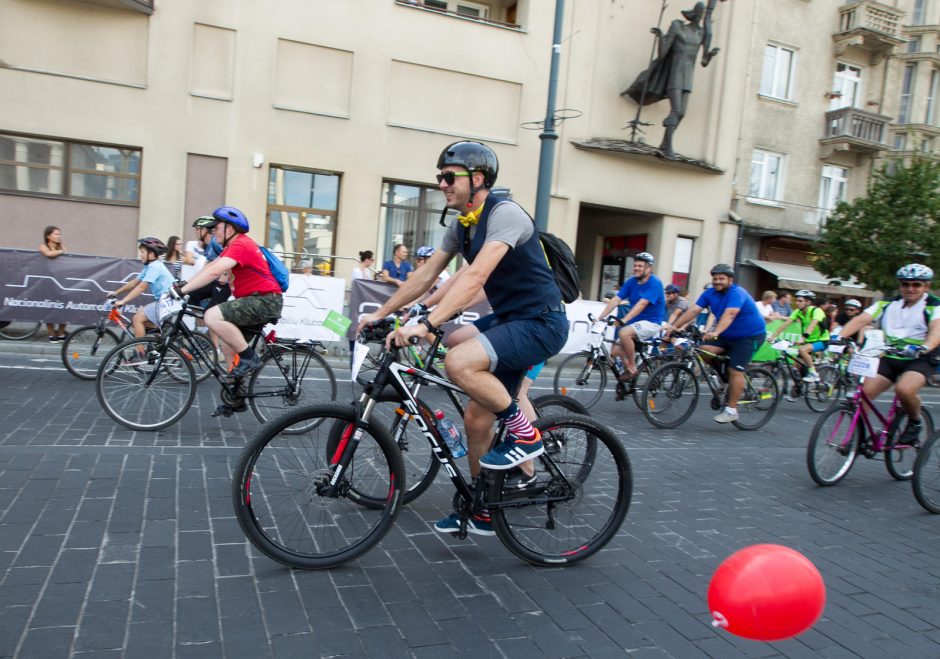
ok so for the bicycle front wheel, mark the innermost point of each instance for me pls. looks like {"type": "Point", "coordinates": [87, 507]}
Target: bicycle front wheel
{"type": "Point", "coordinates": [926, 481]}
{"type": "Point", "coordinates": [759, 399]}
{"type": "Point", "coordinates": [581, 377]}
{"type": "Point", "coordinates": [557, 403]}
{"type": "Point", "coordinates": [900, 458]}
{"type": "Point", "coordinates": [579, 503]}
{"type": "Point", "coordinates": [84, 348]}
{"type": "Point", "coordinates": [833, 445]}
{"type": "Point", "coordinates": [296, 376]}
{"type": "Point", "coordinates": [282, 490]}
{"type": "Point", "coordinates": [137, 397]}
{"type": "Point", "coordinates": [670, 396]}
{"type": "Point", "coordinates": [201, 356]}
{"type": "Point", "coordinates": [821, 395]}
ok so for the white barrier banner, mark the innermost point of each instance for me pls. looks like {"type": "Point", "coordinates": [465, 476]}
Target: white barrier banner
{"type": "Point", "coordinates": [306, 303]}
{"type": "Point", "coordinates": [579, 327]}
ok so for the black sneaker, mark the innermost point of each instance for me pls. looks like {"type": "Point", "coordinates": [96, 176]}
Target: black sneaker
{"type": "Point", "coordinates": [518, 480]}
{"type": "Point", "coordinates": [911, 434]}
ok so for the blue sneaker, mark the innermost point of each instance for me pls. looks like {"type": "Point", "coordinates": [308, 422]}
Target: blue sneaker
{"type": "Point", "coordinates": [512, 452]}
{"type": "Point", "coordinates": [477, 524]}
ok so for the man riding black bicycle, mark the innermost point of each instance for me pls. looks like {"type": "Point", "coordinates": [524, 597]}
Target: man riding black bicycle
{"type": "Point", "coordinates": [528, 324]}
{"type": "Point", "coordinates": [739, 330]}
{"type": "Point", "coordinates": [257, 294]}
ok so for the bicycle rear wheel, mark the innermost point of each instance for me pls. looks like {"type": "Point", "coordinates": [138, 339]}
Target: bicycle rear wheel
{"type": "Point", "coordinates": [759, 399]}
{"type": "Point", "coordinates": [926, 482]}
{"type": "Point", "coordinates": [581, 377]}
{"type": "Point", "coordinates": [573, 512]}
{"type": "Point", "coordinates": [133, 395]}
{"type": "Point", "coordinates": [557, 403]}
{"type": "Point", "coordinates": [900, 458]}
{"type": "Point", "coordinates": [14, 330]}
{"type": "Point", "coordinates": [302, 378]}
{"type": "Point", "coordinates": [670, 396]}
{"type": "Point", "coordinates": [84, 348]}
{"type": "Point", "coordinates": [280, 496]}
{"type": "Point", "coordinates": [833, 446]}
{"type": "Point", "coordinates": [821, 395]}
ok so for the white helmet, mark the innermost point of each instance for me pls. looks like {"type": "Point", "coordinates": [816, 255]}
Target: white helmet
{"type": "Point", "coordinates": [853, 303]}
{"type": "Point", "coordinates": [645, 256]}
{"type": "Point", "coordinates": [914, 272]}
{"type": "Point", "coordinates": [809, 295]}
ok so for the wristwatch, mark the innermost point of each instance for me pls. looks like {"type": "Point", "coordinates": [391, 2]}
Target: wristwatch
{"type": "Point", "coordinates": [427, 323]}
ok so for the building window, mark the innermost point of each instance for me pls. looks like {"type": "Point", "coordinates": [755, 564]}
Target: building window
{"type": "Point", "coordinates": [76, 170]}
{"type": "Point", "coordinates": [471, 9]}
{"type": "Point", "coordinates": [846, 87]}
{"type": "Point", "coordinates": [777, 78]}
{"type": "Point", "coordinates": [409, 216]}
{"type": "Point", "coordinates": [913, 45]}
{"type": "Point", "coordinates": [682, 262]}
{"type": "Point", "coordinates": [832, 190]}
{"type": "Point", "coordinates": [302, 207]}
{"type": "Point", "coordinates": [766, 175]}
{"type": "Point", "coordinates": [900, 141]}
{"type": "Point", "coordinates": [931, 116]}
{"type": "Point", "coordinates": [919, 13]}
{"type": "Point", "coordinates": [907, 93]}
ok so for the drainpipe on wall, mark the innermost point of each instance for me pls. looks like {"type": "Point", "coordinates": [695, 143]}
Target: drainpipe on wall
{"type": "Point", "coordinates": [734, 217]}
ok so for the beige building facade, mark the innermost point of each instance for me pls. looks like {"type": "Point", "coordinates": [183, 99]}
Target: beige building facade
{"type": "Point", "coordinates": [323, 120]}
{"type": "Point", "coordinates": [835, 90]}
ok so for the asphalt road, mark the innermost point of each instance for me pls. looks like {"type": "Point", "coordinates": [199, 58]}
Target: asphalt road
{"type": "Point", "coordinates": [116, 543]}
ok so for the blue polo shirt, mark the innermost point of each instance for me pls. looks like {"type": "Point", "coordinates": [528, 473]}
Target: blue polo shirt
{"type": "Point", "coordinates": [652, 292]}
{"type": "Point", "coordinates": [747, 323]}
{"type": "Point", "coordinates": [401, 272]}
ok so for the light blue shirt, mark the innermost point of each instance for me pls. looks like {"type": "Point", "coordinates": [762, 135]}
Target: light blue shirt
{"type": "Point", "coordinates": [157, 277]}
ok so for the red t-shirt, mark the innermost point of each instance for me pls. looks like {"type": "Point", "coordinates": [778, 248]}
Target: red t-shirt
{"type": "Point", "coordinates": [252, 274]}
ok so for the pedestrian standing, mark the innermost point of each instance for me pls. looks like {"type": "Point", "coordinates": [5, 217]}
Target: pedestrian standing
{"type": "Point", "coordinates": [51, 248]}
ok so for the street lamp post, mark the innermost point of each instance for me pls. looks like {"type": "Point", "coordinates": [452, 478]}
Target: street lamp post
{"type": "Point", "coordinates": [548, 134]}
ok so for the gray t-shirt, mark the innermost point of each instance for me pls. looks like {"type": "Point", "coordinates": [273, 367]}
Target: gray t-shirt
{"type": "Point", "coordinates": [507, 223]}
{"type": "Point", "coordinates": [679, 303]}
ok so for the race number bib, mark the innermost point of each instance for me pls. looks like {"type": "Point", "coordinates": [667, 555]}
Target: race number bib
{"type": "Point", "coordinates": [167, 306]}
{"type": "Point", "coordinates": [864, 366]}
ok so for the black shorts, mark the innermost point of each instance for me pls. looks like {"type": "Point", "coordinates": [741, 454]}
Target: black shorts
{"type": "Point", "coordinates": [738, 351]}
{"type": "Point", "coordinates": [893, 368]}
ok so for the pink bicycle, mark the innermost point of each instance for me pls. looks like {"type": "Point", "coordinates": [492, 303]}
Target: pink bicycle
{"type": "Point", "coordinates": [846, 430]}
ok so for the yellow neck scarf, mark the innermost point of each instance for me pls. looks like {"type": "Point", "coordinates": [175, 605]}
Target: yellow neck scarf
{"type": "Point", "coordinates": [470, 218]}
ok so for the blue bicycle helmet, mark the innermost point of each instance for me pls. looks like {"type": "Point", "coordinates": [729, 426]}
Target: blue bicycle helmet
{"type": "Point", "coordinates": [233, 216]}
{"type": "Point", "coordinates": [914, 272]}
{"type": "Point", "coordinates": [424, 252]}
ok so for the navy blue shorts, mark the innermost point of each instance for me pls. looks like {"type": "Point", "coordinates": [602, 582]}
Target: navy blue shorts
{"type": "Point", "coordinates": [515, 346]}
{"type": "Point", "coordinates": [738, 351]}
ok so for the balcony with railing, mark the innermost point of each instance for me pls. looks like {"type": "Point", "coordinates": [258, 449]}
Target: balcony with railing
{"type": "Point", "coordinates": [770, 217]}
{"type": "Point", "coordinates": [869, 25]}
{"type": "Point", "coordinates": [853, 129]}
{"type": "Point", "coordinates": [140, 6]}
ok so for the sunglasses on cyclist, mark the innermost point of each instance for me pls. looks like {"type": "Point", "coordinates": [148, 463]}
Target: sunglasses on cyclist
{"type": "Point", "coordinates": [913, 284]}
{"type": "Point", "coordinates": [450, 177]}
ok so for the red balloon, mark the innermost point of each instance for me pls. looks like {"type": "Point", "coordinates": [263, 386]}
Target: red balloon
{"type": "Point", "coordinates": [766, 593]}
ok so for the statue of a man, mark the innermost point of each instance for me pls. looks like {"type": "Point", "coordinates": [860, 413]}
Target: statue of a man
{"type": "Point", "coordinates": [670, 74]}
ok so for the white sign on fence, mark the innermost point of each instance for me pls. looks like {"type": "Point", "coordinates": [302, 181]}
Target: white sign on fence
{"type": "Point", "coordinates": [306, 303]}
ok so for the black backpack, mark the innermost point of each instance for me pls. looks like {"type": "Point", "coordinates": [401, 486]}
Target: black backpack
{"type": "Point", "coordinates": [825, 324]}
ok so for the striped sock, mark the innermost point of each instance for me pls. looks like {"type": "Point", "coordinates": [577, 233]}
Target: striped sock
{"type": "Point", "coordinates": [519, 426]}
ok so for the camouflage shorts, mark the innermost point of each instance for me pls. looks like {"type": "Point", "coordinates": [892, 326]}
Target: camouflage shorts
{"type": "Point", "coordinates": [252, 309]}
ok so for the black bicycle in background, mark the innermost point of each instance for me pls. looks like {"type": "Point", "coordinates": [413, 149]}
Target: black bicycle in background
{"type": "Point", "coordinates": [149, 383]}
{"type": "Point", "coordinates": [325, 496]}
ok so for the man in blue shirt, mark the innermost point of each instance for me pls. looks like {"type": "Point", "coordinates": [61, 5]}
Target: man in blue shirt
{"type": "Point", "coordinates": [739, 330]}
{"type": "Point", "coordinates": [644, 320]}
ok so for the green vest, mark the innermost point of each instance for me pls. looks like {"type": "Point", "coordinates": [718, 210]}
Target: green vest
{"type": "Point", "coordinates": [807, 316]}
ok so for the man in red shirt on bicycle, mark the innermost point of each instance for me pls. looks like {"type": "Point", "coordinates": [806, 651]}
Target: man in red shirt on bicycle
{"type": "Point", "coordinates": [257, 294]}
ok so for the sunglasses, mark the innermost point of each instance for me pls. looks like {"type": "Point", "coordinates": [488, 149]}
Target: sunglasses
{"type": "Point", "coordinates": [912, 284]}
{"type": "Point", "coordinates": [450, 177]}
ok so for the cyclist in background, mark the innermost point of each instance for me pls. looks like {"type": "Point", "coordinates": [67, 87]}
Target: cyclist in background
{"type": "Point", "coordinates": [813, 327]}
{"type": "Point", "coordinates": [910, 322]}
{"type": "Point", "coordinates": [739, 331]}
{"type": "Point", "coordinates": [156, 277]}
{"type": "Point", "coordinates": [258, 297]}
{"type": "Point", "coordinates": [645, 318]}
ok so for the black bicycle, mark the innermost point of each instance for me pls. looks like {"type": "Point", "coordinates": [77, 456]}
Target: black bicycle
{"type": "Point", "coordinates": [329, 494]}
{"type": "Point", "coordinates": [671, 393]}
{"type": "Point", "coordinates": [788, 370]}
{"type": "Point", "coordinates": [149, 383]}
{"type": "Point", "coordinates": [421, 464]}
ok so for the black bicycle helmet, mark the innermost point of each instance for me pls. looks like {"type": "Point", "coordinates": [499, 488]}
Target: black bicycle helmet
{"type": "Point", "coordinates": [155, 245]}
{"type": "Point", "coordinates": [205, 222]}
{"type": "Point", "coordinates": [722, 269]}
{"type": "Point", "coordinates": [472, 156]}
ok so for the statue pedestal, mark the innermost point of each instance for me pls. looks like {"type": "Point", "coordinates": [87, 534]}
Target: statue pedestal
{"type": "Point", "coordinates": [646, 153]}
